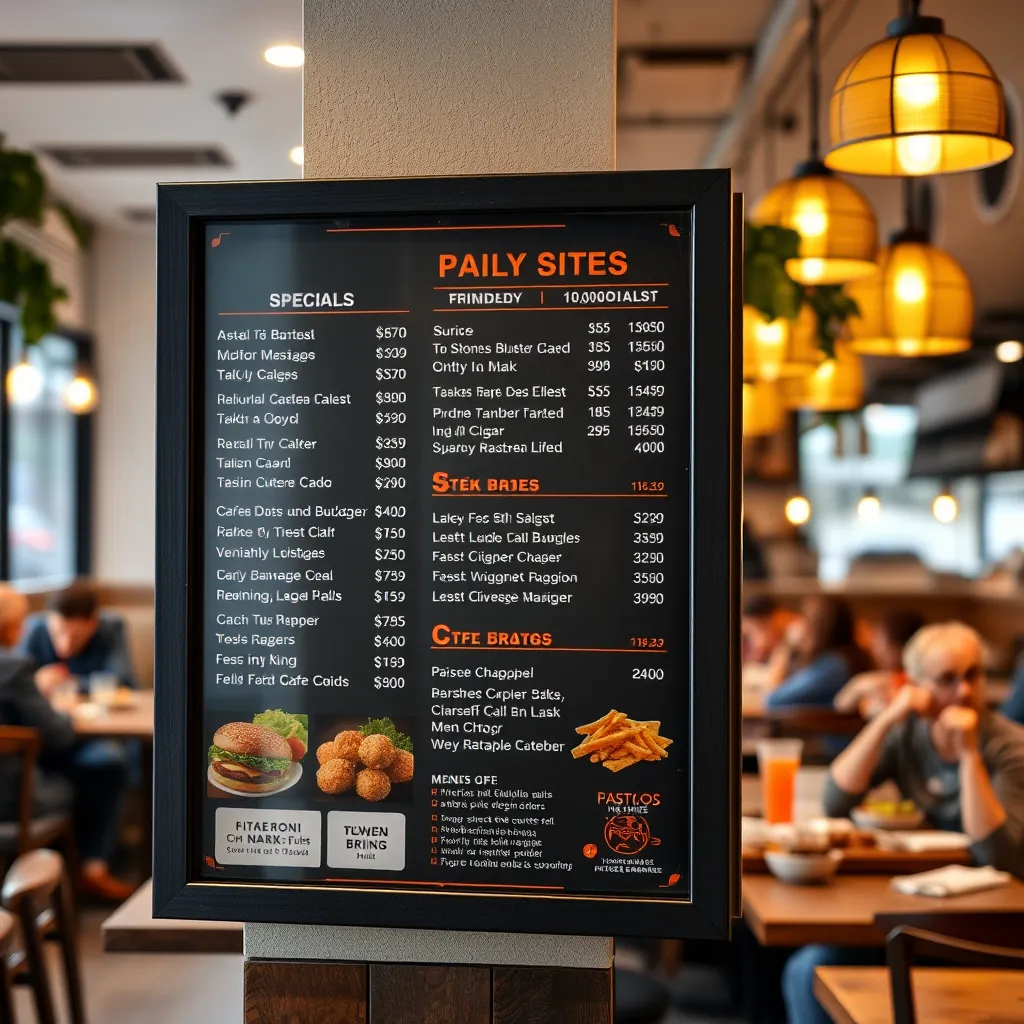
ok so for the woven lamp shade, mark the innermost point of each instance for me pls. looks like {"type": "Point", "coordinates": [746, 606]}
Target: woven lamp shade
{"type": "Point", "coordinates": [837, 227]}
{"type": "Point", "coordinates": [919, 303]}
{"type": "Point", "coordinates": [779, 348]}
{"type": "Point", "coordinates": [837, 385]}
{"type": "Point", "coordinates": [763, 409]}
{"type": "Point", "coordinates": [918, 102]}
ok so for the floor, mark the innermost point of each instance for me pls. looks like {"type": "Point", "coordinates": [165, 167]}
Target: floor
{"type": "Point", "coordinates": [126, 988]}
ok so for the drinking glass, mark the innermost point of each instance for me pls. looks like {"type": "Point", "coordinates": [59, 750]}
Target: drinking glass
{"type": "Point", "coordinates": [778, 761]}
{"type": "Point", "coordinates": [65, 695]}
{"type": "Point", "coordinates": [102, 688]}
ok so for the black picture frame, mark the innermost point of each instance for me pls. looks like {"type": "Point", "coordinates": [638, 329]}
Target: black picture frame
{"type": "Point", "coordinates": [707, 198]}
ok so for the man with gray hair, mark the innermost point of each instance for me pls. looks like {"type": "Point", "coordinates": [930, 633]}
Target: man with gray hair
{"type": "Point", "coordinates": [962, 764]}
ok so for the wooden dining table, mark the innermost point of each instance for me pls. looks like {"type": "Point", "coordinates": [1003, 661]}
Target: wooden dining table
{"type": "Point", "coordinates": [942, 995]}
{"type": "Point", "coordinates": [842, 911]}
{"type": "Point", "coordinates": [133, 721]}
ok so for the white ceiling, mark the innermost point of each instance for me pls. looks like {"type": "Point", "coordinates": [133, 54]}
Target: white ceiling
{"type": "Point", "coordinates": [218, 45]}
{"type": "Point", "coordinates": [215, 44]}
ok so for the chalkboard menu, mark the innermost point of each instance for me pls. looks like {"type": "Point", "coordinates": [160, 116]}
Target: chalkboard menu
{"type": "Point", "coordinates": [447, 578]}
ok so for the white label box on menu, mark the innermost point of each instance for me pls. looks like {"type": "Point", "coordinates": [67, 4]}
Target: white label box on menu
{"type": "Point", "coordinates": [282, 838]}
{"type": "Point", "coordinates": [366, 840]}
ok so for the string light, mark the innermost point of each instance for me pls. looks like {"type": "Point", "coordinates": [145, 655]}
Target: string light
{"type": "Point", "coordinates": [297, 155]}
{"type": "Point", "coordinates": [798, 510]}
{"type": "Point", "coordinates": [1009, 351]}
{"type": "Point", "coordinates": [24, 383]}
{"type": "Point", "coordinates": [869, 507]}
{"type": "Point", "coordinates": [944, 507]}
{"type": "Point", "coordinates": [80, 394]}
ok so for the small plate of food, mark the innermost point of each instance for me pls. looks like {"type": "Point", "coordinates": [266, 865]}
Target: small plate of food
{"type": "Point", "coordinates": [888, 815]}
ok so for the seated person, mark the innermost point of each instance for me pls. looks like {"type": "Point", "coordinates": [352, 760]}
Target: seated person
{"type": "Point", "coordinates": [1014, 706]}
{"type": "Point", "coordinates": [870, 692]}
{"type": "Point", "coordinates": [763, 628]}
{"type": "Point", "coordinates": [962, 764]}
{"type": "Point", "coordinates": [824, 655]}
{"type": "Point", "coordinates": [87, 779]}
{"type": "Point", "coordinates": [74, 638]}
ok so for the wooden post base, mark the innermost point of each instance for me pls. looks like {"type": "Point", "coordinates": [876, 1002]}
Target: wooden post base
{"type": "Point", "coordinates": [321, 992]}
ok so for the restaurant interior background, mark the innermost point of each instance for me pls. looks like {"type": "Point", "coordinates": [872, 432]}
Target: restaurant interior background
{"type": "Point", "coordinates": [913, 497]}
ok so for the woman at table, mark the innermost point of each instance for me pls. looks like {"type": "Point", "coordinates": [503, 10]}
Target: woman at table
{"type": "Point", "coordinates": [962, 764]}
{"type": "Point", "coordinates": [823, 655]}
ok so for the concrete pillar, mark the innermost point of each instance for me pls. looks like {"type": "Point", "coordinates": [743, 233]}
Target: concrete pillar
{"type": "Point", "coordinates": [416, 87]}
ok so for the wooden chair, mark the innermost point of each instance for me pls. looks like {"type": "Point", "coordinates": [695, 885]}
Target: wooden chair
{"type": "Point", "coordinates": [37, 890]}
{"type": "Point", "coordinates": [10, 962]}
{"type": "Point", "coordinates": [905, 942]}
{"type": "Point", "coordinates": [813, 725]}
{"type": "Point", "coordinates": [29, 832]}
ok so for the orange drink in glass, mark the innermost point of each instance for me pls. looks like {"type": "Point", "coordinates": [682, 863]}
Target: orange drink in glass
{"type": "Point", "coordinates": [778, 761]}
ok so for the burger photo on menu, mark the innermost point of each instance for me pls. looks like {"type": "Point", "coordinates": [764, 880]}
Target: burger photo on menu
{"type": "Point", "coordinates": [371, 760]}
{"type": "Point", "coordinates": [260, 757]}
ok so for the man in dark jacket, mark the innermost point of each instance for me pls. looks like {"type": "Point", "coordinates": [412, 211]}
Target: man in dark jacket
{"type": "Point", "coordinates": [86, 778]}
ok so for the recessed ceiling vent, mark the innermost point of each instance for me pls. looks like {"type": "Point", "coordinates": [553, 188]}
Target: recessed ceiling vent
{"type": "Point", "coordinates": [121, 158]}
{"type": "Point", "coordinates": [80, 63]}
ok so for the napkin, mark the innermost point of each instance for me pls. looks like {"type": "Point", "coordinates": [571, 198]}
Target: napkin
{"type": "Point", "coordinates": [954, 880]}
{"type": "Point", "coordinates": [926, 841]}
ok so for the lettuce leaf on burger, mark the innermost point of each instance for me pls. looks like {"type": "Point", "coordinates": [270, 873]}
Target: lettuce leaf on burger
{"type": "Point", "coordinates": [250, 758]}
{"type": "Point", "coordinates": [292, 727]}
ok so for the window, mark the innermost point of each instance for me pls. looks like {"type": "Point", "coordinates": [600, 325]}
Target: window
{"type": "Point", "coordinates": [44, 467]}
{"type": "Point", "coordinates": [1003, 519]}
{"type": "Point", "coordinates": [838, 464]}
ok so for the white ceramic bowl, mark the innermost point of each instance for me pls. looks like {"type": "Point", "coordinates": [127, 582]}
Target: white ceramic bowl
{"type": "Point", "coordinates": [802, 868]}
{"type": "Point", "coordinates": [864, 817]}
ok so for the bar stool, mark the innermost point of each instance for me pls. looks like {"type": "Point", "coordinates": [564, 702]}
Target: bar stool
{"type": "Point", "coordinates": [37, 890]}
{"type": "Point", "coordinates": [10, 964]}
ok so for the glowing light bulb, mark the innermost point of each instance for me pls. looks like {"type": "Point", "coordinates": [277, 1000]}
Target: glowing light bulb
{"type": "Point", "coordinates": [1009, 351]}
{"type": "Point", "coordinates": [80, 395]}
{"type": "Point", "coordinates": [812, 269]}
{"type": "Point", "coordinates": [810, 218]}
{"type": "Point", "coordinates": [284, 55]}
{"type": "Point", "coordinates": [297, 155]}
{"type": "Point", "coordinates": [908, 346]}
{"type": "Point", "coordinates": [910, 286]}
{"type": "Point", "coordinates": [869, 507]}
{"type": "Point", "coordinates": [920, 90]}
{"type": "Point", "coordinates": [918, 154]}
{"type": "Point", "coordinates": [798, 510]}
{"type": "Point", "coordinates": [24, 383]}
{"type": "Point", "coordinates": [945, 508]}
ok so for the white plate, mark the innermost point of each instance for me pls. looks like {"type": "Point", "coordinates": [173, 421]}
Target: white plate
{"type": "Point", "coordinates": [863, 818]}
{"type": "Point", "coordinates": [293, 778]}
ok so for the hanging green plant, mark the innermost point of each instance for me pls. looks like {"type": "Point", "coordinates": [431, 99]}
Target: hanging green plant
{"type": "Point", "coordinates": [25, 279]}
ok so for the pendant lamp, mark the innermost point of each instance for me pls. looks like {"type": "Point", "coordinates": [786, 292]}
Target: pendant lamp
{"type": "Point", "coordinates": [918, 303]}
{"type": "Point", "coordinates": [918, 102]}
{"type": "Point", "coordinates": [773, 349]}
{"type": "Point", "coordinates": [837, 385]}
{"type": "Point", "coordinates": [837, 227]}
{"type": "Point", "coordinates": [763, 411]}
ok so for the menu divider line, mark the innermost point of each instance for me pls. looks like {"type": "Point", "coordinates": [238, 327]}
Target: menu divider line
{"type": "Point", "coordinates": [553, 284]}
{"type": "Point", "coordinates": [445, 227]}
{"type": "Point", "coordinates": [538, 650]}
{"type": "Point", "coordinates": [534, 309]}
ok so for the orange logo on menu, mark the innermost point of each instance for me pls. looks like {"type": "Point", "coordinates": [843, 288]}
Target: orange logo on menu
{"type": "Point", "coordinates": [628, 834]}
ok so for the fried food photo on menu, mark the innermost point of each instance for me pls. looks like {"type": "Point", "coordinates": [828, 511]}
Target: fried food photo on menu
{"type": "Point", "coordinates": [369, 759]}
{"type": "Point", "coordinates": [250, 758]}
{"type": "Point", "coordinates": [617, 741]}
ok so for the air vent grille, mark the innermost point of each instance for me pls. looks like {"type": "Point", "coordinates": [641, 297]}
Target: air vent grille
{"type": "Point", "coordinates": [81, 63]}
{"type": "Point", "coordinates": [136, 157]}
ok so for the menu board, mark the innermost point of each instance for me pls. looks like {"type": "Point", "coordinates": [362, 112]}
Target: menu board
{"type": "Point", "coordinates": [442, 550]}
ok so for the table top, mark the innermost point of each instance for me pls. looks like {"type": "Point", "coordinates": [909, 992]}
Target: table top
{"type": "Point", "coordinates": [133, 929]}
{"type": "Point", "coordinates": [942, 995]}
{"type": "Point", "coordinates": [135, 722]}
{"type": "Point", "coordinates": [842, 912]}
